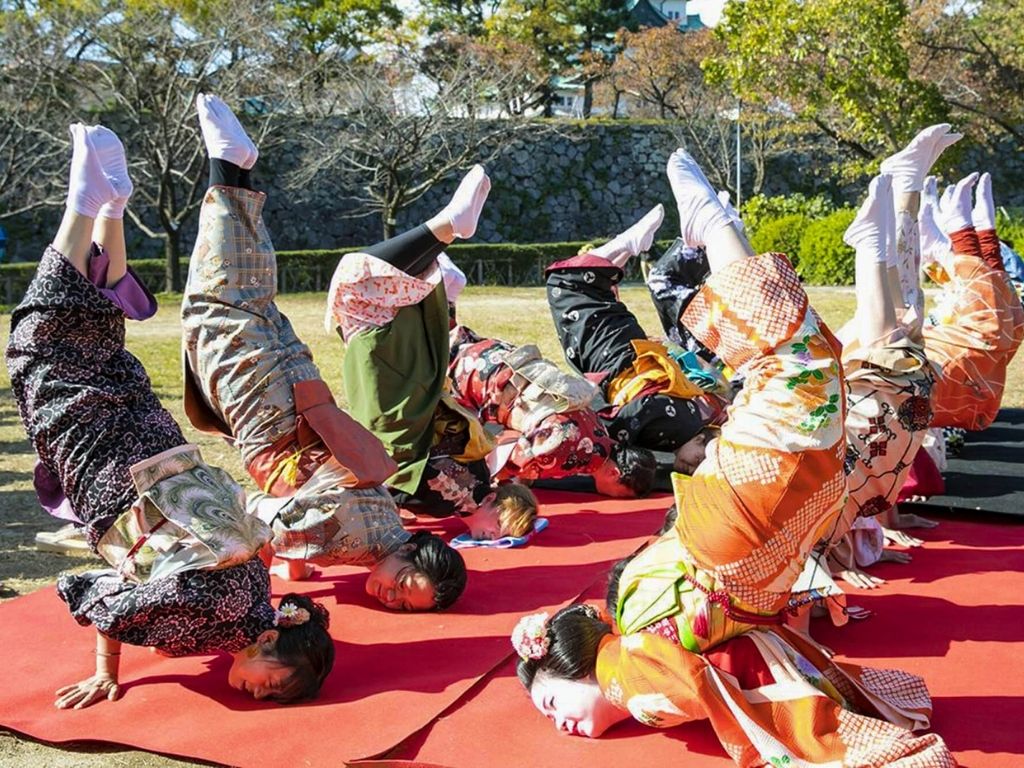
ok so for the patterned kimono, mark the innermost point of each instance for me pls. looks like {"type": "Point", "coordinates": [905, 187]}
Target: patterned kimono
{"type": "Point", "coordinates": [545, 412]}
{"type": "Point", "coordinates": [395, 327]}
{"type": "Point", "coordinates": [888, 394]}
{"type": "Point", "coordinates": [249, 378]}
{"type": "Point", "coordinates": [652, 403]}
{"type": "Point", "coordinates": [699, 609]}
{"type": "Point", "coordinates": [972, 336]}
{"type": "Point", "coordinates": [94, 420]}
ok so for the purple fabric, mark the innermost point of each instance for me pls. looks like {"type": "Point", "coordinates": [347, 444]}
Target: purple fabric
{"type": "Point", "coordinates": [51, 494]}
{"type": "Point", "coordinates": [128, 294]}
{"type": "Point", "coordinates": [137, 303]}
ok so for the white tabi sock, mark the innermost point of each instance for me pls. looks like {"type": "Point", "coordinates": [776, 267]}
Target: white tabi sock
{"type": "Point", "coordinates": [225, 137]}
{"type": "Point", "coordinates": [468, 201]}
{"type": "Point", "coordinates": [634, 241]}
{"type": "Point", "coordinates": [89, 189]}
{"type": "Point", "coordinates": [700, 210]}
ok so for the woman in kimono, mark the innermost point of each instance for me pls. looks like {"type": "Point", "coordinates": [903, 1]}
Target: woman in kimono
{"type": "Point", "coordinates": [185, 574]}
{"type": "Point", "coordinates": [699, 611]}
{"type": "Point", "coordinates": [389, 306]}
{"type": "Point", "coordinates": [650, 402]}
{"type": "Point", "coordinates": [888, 378]}
{"type": "Point", "coordinates": [978, 322]}
{"type": "Point", "coordinates": [551, 431]}
{"type": "Point", "coordinates": [249, 378]}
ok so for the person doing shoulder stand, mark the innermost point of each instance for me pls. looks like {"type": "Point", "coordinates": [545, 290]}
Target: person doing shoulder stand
{"type": "Point", "coordinates": [889, 380]}
{"type": "Point", "coordinates": [651, 402]}
{"type": "Point", "coordinates": [185, 573]}
{"type": "Point", "coordinates": [698, 612]}
{"type": "Point", "coordinates": [249, 378]}
{"type": "Point", "coordinates": [389, 306]}
{"type": "Point", "coordinates": [551, 431]}
{"type": "Point", "coordinates": [978, 322]}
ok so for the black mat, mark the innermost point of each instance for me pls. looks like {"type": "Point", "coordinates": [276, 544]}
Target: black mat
{"type": "Point", "coordinates": [988, 475]}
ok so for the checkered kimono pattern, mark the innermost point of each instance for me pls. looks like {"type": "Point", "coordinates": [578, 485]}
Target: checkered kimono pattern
{"type": "Point", "coordinates": [245, 358]}
{"type": "Point", "coordinates": [770, 485]}
{"type": "Point", "coordinates": [972, 336]}
{"type": "Point", "coordinates": [241, 351]}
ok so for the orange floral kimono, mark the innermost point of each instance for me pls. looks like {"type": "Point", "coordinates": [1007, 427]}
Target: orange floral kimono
{"type": "Point", "coordinates": [699, 610]}
{"type": "Point", "coordinates": [973, 335]}
{"type": "Point", "coordinates": [775, 699]}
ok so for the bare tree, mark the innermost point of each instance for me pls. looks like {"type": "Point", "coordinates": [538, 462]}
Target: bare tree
{"type": "Point", "coordinates": [661, 70]}
{"type": "Point", "coordinates": [409, 119]}
{"type": "Point", "coordinates": [34, 114]}
{"type": "Point", "coordinates": [137, 69]}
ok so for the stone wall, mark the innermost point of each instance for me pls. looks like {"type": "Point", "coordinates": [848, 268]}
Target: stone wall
{"type": "Point", "coordinates": [588, 182]}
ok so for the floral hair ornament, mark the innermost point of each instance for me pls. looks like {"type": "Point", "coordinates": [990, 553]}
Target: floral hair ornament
{"type": "Point", "coordinates": [530, 637]}
{"type": "Point", "coordinates": [290, 615]}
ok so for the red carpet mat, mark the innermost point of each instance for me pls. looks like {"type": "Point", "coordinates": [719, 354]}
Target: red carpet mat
{"type": "Point", "coordinates": [955, 615]}
{"type": "Point", "coordinates": [393, 675]}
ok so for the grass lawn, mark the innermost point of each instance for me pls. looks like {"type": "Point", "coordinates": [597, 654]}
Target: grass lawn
{"type": "Point", "coordinates": [515, 314]}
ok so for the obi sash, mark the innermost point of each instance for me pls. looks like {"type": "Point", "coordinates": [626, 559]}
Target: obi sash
{"type": "Point", "coordinates": [189, 516]}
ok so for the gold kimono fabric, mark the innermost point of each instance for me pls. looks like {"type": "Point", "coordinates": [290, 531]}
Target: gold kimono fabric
{"type": "Point", "coordinates": [541, 389]}
{"type": "Point", "coordinates": [652, 365]}
{"type": "Point", "coordinates": [811, 711]}
{"type": "Point", "coordinates": [978, 326]}
{"type": "Point", "coordinates": [189, 516]}
{"type": "Point", "coordinates": [452, 418]}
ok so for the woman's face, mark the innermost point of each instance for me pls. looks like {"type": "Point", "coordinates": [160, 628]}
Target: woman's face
{"type": "Point", "coordinates": [608, 481]}
{"type": "Point", "coordinates": [574, 706]}
{"type": "Point", "coordinates": [690, 454]}
{"type": "Point", "coordinates": [485, 523]}
{"type": "Point", "coordinates": [399, 586]}
{"type": "Point", "coordinates": [257, 673]}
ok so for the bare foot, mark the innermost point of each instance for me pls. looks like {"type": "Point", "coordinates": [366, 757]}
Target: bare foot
{"type": "Point", "coordinates": [856, 578]}
{"type": "Point", "coordinates": [293, 570]}
{"type": "Point", "coordinates": [901, 538]}
{"type": "Point", "coordinates": [893, 518]}
{"type": "Point", "coordinates": [894, 556]}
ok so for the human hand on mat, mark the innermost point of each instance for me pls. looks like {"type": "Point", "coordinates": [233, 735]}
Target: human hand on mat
{"type": "Point", "coordinates": [859, 579]}
{"type": "Point", "coordinates": [82, 694]}
{"type": "Point", "coordinates": [901, 538]}
{"type": "Point", "coordinates": [894, 556]}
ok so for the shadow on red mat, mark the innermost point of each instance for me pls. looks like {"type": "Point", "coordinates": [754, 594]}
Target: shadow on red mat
{"type": "Point", "coordinates": [954, 616]}
{"type": "Point", "coordinates": [393, 675]}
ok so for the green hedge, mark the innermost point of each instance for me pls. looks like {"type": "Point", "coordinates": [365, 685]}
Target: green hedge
{"type": "Point", "coordinates": [487, 263]}
{"type": "Point", "coordinates": [783, 235]}
{"type": "Point", "coordinates": [824, 258]}
{"type": "Point", "coordinates": [760, 210]}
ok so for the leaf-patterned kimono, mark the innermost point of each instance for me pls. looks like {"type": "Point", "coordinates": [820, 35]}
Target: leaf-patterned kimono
{"type": "Point", "coordinates": [713, 587]}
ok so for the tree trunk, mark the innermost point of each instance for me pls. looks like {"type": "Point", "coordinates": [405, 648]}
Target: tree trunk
{"type": "Point", "coordinates": [588, 98]}
{"type": "Point", "coordinates": [172, 256]}
{"type": "Point", "coordinates": [388, 222]}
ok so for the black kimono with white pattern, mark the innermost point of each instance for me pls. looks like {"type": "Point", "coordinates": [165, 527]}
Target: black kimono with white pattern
{"type": "Point", "coordinates": [90, 412]}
